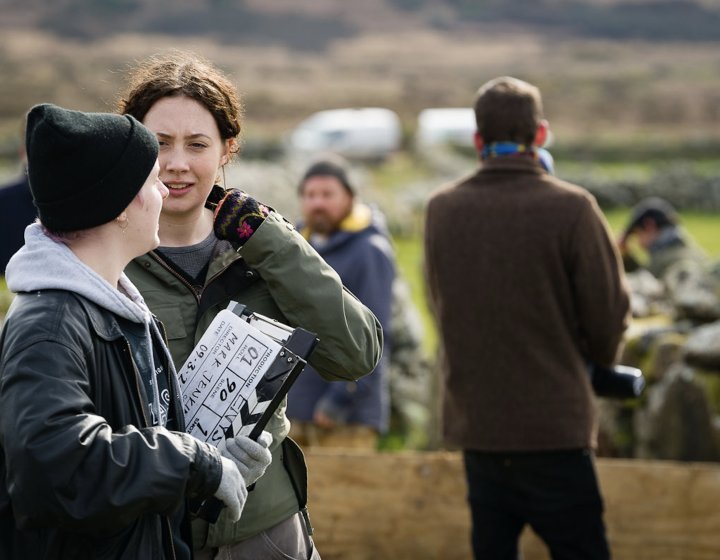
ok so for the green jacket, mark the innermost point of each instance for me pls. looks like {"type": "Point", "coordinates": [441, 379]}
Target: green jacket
{"type": "Point", "coordinates": [276, 273]}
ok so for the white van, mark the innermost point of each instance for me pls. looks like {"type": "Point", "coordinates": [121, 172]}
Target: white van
{"type": "Point", "coordinates": [369, 133]}
{"type": "Point", "coordinates": [447, 125]}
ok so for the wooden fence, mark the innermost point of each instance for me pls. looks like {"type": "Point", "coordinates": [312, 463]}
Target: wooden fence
{"type": "Point", "coordinates": [412, 506]}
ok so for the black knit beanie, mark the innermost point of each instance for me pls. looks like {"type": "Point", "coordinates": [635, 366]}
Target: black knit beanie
{"type": "Point", "coordinates": [332, 166]}
{"type": "Point", "coordinates": [85, 168]}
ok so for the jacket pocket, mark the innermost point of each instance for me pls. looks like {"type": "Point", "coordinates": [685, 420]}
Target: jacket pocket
{"type": "Point", "coordinates": [172, 320]}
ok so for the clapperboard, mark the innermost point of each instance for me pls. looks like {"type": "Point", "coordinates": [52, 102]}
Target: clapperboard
{"type": "Point", "coordinates": [239, 372]}
{"type": "Point", "coordinates": [236, 377]}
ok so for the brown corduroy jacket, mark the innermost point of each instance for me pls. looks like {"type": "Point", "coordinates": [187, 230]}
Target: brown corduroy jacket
{"type": "Point", "coordinates": [527, 287]}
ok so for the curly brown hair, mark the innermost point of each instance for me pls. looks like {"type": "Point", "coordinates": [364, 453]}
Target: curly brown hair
{"type": "Point", "coordinates": [184, 73]}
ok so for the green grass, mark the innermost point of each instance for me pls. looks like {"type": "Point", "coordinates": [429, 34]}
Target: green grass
{"type": "Point", "coordinates": [5, 298]}
{"type": "Point", "coordinates": [409, 254]}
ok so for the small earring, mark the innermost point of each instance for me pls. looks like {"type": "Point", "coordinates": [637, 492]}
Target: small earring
{"type": "Point", "coordinates": [123, 223]}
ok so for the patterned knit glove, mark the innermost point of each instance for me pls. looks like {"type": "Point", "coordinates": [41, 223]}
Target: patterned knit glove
{"type": "Point", "coordinates": [237, 216]}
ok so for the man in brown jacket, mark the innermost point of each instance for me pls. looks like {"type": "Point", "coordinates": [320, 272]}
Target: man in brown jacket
{"type": "Point", "coordinates": [527, 288]}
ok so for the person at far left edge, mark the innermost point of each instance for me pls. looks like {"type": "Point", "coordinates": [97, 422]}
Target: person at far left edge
{"type": "Point", "coordinates": [95, 463]}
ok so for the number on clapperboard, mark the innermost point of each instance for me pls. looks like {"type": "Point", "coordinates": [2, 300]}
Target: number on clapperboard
{"type": "Point", "coordinates": [253, 353]}
{"type": "Point", "coordinates": [219, 432]}
{"type": "Point", "coordinates": [203, 431]}
{"type": "Point", "coordinates": [201, 349]}
{"type": "Point", "coordinates": [217, 435]}
{"type": "Point", "coordinates": [224, 393]}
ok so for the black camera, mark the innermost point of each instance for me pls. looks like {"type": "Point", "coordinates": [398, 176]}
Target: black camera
{"type": "Point", "coordinates": [617, 382]}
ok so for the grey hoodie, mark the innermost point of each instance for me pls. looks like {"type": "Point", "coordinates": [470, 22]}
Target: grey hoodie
{"type": "Point", "coordinates": [46, 264]}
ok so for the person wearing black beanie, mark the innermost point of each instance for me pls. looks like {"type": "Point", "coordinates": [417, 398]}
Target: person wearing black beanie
{"type": "Point", "coordinates": [97, 460]}
{"type": "Point", "coordinates": [85, 168]}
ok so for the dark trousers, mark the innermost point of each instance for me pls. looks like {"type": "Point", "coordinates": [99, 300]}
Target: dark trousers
{"type": "Point", "coordinates": [556, 493]}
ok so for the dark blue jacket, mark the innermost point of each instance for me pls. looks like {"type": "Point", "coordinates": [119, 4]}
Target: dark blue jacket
{"type": "Point", "coordinates": [16, 213]}
{"type": "Point", "coordinates": [361, 253]}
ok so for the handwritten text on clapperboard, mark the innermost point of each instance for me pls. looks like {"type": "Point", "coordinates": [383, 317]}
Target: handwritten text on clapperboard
{"type": "Point", "coordinates": [221, 374]}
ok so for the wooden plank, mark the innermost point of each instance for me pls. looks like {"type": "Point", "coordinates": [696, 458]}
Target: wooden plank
{"type": "Point", "coordinates": [412, 505]}
{"type": "Point", "coordinates": [390, 505]}
{"type": "Point", "coordinates": [662, 509]}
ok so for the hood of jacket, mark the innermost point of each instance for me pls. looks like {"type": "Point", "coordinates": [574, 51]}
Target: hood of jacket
{"type": "Point", "coordinates": [46, 264]}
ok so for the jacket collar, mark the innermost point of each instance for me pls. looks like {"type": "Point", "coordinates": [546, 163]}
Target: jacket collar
{"type": "Point", "coordinates": [361, 218]}
{"type": "Point", "coordinates": [45, 263]}
{"type": "Point", "coordinates": [103, 322]}
{"type": "Point", "coordinates": [513, 164]}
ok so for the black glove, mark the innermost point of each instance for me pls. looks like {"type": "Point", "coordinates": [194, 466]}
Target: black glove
{"type": "Point", "coordinates": [237, 216]}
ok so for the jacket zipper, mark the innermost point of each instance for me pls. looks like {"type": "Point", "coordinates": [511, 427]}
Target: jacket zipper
{"type": "Point", "coordinates": [192, 289]}
{"type": "Point", "coordinates": [198, 295]}
{"type": "Point", "coordinates": [137, 386]}
{"type": "Point", "coordinates": [147, 425]}
{"type": "Point", "coordinates": [172, 538]}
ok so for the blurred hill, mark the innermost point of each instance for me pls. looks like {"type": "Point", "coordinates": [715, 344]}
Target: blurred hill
{"type": "Point", "coordinates": [619, 72]}
{"type": "Point", "coordinates": [311, 25]}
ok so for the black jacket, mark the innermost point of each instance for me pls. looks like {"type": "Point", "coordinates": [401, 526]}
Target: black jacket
{"type": "Point", "coordinates": [82, 475]}
{"type": "Point", "coordinates": [16, 213]}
